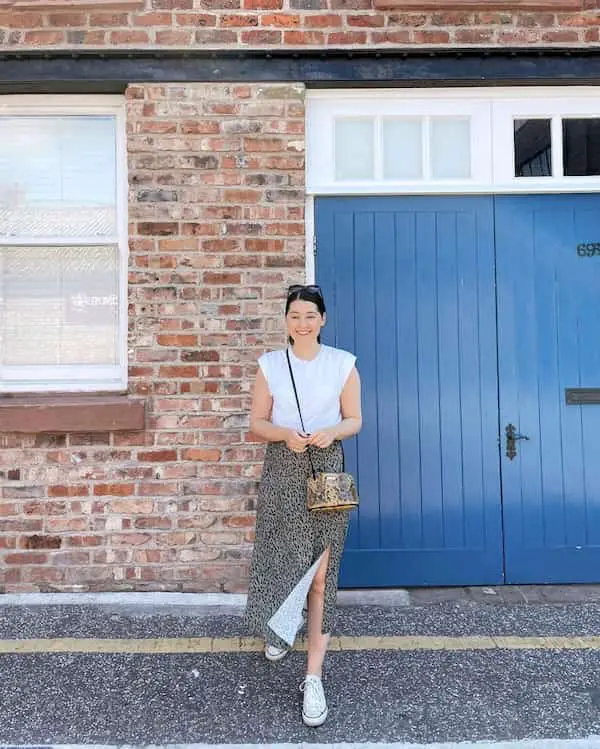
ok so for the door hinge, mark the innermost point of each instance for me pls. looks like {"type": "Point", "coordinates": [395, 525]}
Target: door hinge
{"type": "Point", "coordinates": [314, 246]}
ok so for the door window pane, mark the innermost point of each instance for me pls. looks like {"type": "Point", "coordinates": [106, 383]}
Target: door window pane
{"type": "Point", "coordinates": [581, 147]}
{"type": "Point", "coordinates": [533, 148]}
{"type": "Point", "coordinates": [402, 149]}
{"type": "Point", "coordinates": [450, 148]}
{"type": "Point", "coordinates": [354, 149]}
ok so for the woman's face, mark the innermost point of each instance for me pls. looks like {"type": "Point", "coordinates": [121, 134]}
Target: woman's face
{"type": "Point", "coordinates": [304, 321]}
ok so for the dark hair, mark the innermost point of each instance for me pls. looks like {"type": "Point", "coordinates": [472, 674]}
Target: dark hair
{"type": "Point", "coordinates": [305, 294]}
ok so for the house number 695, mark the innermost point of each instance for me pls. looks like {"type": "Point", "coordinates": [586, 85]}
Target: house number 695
{"type": "Point", "coordinates": [588, 249]}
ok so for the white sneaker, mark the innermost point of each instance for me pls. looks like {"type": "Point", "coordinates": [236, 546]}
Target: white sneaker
{"type": "Point", "coordinates": [314, 709]}
{"type": "Point", "coordinates": [274, 654]}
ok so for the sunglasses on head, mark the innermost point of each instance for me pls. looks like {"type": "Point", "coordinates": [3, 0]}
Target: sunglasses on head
{"type": "Point", "coordinates": [311, 288]}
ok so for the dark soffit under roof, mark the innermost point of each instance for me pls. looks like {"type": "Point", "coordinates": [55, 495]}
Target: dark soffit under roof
{"type": "Point", "coordinates": [109, 70]}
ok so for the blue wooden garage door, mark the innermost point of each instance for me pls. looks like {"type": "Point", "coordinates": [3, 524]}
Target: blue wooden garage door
{"type": "Point", "coordinates": [410, 289]}
{"type": "Point", "coordinates": [469, 314]}
{"type": "Point", "coordinates": [548, 258]}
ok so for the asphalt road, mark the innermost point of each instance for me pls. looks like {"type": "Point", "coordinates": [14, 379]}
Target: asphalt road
{"type": "Point", "coordinates": [420, 695]}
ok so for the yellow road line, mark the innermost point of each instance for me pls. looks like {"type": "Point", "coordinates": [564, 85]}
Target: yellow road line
{"type": "Point", "coordinates": [252, 645]}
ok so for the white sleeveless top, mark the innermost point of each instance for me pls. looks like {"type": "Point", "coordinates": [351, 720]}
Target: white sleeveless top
{"type": "Point", "coordinates": [319, 382]}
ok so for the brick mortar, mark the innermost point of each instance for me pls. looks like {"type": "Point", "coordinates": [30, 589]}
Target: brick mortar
{"type": "Point", "coordinates": [172, 508]}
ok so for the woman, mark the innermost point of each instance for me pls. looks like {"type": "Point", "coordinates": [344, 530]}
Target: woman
{"type": "Point", "coordinates": [297, 551]}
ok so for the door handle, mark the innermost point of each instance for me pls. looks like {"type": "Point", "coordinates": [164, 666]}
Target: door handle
{"type": "Point", "coordinates": [512, 436]}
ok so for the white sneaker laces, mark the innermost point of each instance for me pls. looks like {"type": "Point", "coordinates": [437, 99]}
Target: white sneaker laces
{"type": "Point", "coordinates": [313, 693]}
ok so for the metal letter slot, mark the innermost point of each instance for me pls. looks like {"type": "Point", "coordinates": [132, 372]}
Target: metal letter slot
{"type": "Point", "coordinates": [581, 396]}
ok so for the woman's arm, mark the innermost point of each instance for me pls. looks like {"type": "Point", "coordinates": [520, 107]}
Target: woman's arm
{"type": "Point", "coordinates": [351, 423]}
{"type": "Point", "coordinates": [260, 418]}
{"type": "Point", "coordinates": [350, 403]}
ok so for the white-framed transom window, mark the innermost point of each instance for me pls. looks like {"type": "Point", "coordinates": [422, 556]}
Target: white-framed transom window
{"type": "Point", "coordinates": [461, 140]}
{"type": "Point", "coordinates": [63, 244]}
{"type": "Point", "coordinates": [363, 142]}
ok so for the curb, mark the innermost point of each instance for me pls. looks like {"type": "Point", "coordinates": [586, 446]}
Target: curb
{"type": "Point", "coordinates": [154, 600]}
{"type": "Point", "coordinates": [213, 602]}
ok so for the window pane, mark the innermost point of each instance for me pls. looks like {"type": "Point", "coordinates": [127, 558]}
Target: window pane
{"type": "Point", "coordinates": [581, 147]}
{"type": "Point", "coordinates": [58, 305]}
{"type": "Point", "coordinates": [533, 148]}
{"type": "Point", "coordinates": [354, 149]}
{"type": "Point", "coordinates": [402, 149]}
{"type": "Point", "coordinates": [58, 176]}
{"type": "Point", "coordinates": [450, 148]}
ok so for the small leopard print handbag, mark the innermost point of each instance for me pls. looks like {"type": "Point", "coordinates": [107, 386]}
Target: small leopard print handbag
{"type": "Point", "coordinates": [326, 491]}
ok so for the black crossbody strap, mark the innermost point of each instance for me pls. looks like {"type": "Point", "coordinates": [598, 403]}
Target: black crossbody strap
{"type": "Point", "coordinates": [287, 353]}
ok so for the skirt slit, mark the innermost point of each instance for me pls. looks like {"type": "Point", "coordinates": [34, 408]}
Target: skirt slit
{"type": "Point", "coordinates": [289, 544]}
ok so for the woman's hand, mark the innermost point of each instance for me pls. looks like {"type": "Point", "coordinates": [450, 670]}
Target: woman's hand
{"type": "Point", "coordinates": [296, 442]}
{"type": "Point", "coordinates": [323, 438]}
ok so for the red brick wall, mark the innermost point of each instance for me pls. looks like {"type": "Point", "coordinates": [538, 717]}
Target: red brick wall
{"type": "Point", "coordinates": [217, 231]}
{"type": "Point", "coordinates": [294, 23]}
{"type": "Point", "coordinates": [216, 225]}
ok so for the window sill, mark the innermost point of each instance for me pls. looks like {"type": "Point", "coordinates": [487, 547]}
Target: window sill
{"type": "Point", "coordinates": [487, 5]}
{"type": "Point", "coordinates": [53, 5]}
{"type": "Point", "coordinates": [71, 413]}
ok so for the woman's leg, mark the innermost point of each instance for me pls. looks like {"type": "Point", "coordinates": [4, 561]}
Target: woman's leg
{"type": "Point", "coordinates": [317, 642]}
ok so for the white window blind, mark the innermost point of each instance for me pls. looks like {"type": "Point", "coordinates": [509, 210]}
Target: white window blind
{"type": "Point", "coordinates": [63, 247]}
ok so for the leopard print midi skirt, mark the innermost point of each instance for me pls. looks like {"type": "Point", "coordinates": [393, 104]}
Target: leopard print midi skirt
{"type": "Point", "coordinates": [290, 539]}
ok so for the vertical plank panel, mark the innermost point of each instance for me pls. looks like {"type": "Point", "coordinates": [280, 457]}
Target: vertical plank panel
{"type": "Point", "coordinates": [366, 350]}
{"type": "Point", "coordinates": [471, 375]}
{"type": "Point", "coordinates": [428, 374]}
{"type": "Point", "coordinates": [487, 374]}
{"type": "Point", "coordinates": [548, 436]}
{"type": "Point", "coordinates": [335, 271]}
{"type": "Point", "coordinates": [508, 372]}
{"type": "Point", "coordinates": [451, 441]}
{"type": "Point", "coordinates": [526, 418]}
{"type": "Point", "coordinates": [521, 477]}
{"type": "Point", "coordinates": [407, 380]}
{"type": "Point", "coordinates": [588, 281]}
{"type": "Point", "coordinates": [387, 390]}
{"type": "Point", "coordinates": [568, 212]}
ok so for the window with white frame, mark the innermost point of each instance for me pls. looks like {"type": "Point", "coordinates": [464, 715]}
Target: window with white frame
{"type": "Point", "coordinates": [409, 148]}
{"type": "Point", "coordinates": [394, 141]}
{"type": "Point", "coordinates": [63, 244]}
{"type": "Point", "coordinates": [460, 140]}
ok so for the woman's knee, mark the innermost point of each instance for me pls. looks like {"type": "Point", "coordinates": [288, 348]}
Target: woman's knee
{"type": "Point", "coordinates": [320, 579]}
{"type": "Point", "coordinates": [318, 586]}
